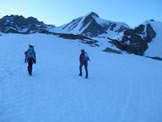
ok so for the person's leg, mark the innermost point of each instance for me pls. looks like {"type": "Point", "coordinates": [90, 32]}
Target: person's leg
{"type": "Point", "coordinates": [80, 68]}
{"type": "Point", "coordinates": [30, 63]}
{"type": "Point", "coordinates": [30, 68]}
{"type": "Point", "coordinates": [86, 68]}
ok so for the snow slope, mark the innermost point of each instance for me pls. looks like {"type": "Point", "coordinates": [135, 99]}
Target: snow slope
{"type": "Point", "coordinates": [120, 88]}
{"type": "Point", "coordinates": [155, 47]}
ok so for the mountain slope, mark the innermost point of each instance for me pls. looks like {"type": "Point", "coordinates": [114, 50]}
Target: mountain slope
{"type": "Point", "coordinates": [120, 88]}
{"type": "Point", "coordinates": [92, 25]}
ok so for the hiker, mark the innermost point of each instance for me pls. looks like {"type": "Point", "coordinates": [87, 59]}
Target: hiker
{"type": "Point", "coordinates": [30, 57]}
{"type": "Point", "coordinates": [84, 61]}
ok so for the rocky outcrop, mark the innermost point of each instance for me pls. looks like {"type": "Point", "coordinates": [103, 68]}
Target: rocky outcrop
{"type": "Point", "coordinates": [19, 24]}
{"type": "Point", "coordinates": [82, 38]}
{"type": "Point", "coordinates": [150, 33]}
{"type": "Point", "coordinates": [110, 50]}
{"type": "Point", "coordinates": [93, 29]}
{"type": "Point", "coordinates": [136, 40]}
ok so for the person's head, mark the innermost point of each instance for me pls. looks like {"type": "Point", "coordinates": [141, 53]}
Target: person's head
{"type": "Point", "coordinates": [31, 46]}
{"type": "Point", "coordinates": [82, 51]}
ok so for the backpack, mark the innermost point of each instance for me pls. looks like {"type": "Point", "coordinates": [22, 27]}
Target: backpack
{"type": "Point", "coordinates": [85, 57]}
{"type": "Point", "coordinates": [31, 53]}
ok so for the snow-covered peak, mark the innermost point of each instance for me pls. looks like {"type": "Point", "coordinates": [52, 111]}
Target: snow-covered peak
{"type": "Point", "coordinates": [92, 25]}
{"type": "Point", "coordinates": [93, 14]}
{"type": "Point", "coordinates": [103, 22]}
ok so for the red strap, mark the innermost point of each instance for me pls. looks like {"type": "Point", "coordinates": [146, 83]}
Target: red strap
{"type": "Point", "coordinates": [81, 55]}
{"type": "Point", "coordinates": [25, 53]}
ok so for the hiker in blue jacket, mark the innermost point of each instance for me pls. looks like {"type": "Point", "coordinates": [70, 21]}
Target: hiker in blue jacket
{"type": "Point", "coordinates": [30, 58]}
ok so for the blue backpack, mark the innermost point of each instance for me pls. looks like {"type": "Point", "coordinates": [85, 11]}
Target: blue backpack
{"type": "Point", "coordinates": [31, 53]}
{"type": "Point", "coordinates": [85, 57]}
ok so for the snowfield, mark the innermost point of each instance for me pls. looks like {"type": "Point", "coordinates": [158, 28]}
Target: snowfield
{"type": "Point", "coordinates": [120, 88]}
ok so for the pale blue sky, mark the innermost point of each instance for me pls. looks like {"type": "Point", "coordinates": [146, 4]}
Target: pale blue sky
{"type": "Point", "coordinates": [58, 12]}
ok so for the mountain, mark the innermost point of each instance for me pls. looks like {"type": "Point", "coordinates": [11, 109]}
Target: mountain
{"type": "Point", "coordinates": [141, 40]}
{"type": "Point", "coordinates": [19, 24]}
{"type": "Point", "coordinates": [132, 40]}
{"type": "Point", "coordinates": [92, 25]}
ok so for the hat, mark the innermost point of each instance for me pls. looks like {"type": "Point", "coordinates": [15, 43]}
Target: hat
{"type": "Point", "coordinates": [82, 51]}
{"type": "Point", "coordinates": [31, 46]}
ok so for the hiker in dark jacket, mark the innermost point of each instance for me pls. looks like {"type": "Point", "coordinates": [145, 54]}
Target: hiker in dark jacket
{"type": "Point", "coordinates": [30, 57]}
{"type": "Point", "coordinates": [83, 61]}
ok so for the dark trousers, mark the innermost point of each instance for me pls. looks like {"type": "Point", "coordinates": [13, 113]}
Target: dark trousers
{"type": "Point", "coordinates": [85, 66]}
{"type": "Point", "coordinates": [30, 64]}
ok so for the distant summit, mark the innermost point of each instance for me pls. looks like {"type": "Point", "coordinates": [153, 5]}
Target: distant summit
{"type": "Point", "coordinates": [93, 14]}
{"type": "Point", "coordinates": [19, 24]}
{"type": "Point", "coordinates": [92, 25]}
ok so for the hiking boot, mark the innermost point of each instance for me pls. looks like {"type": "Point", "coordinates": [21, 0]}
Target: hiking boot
{"type": "Point", "coordinates": [80, 74]}
{"type": "Point", "coordinates": [30, 74]}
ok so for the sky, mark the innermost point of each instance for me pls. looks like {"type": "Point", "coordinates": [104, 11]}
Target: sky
{"type": "Point", "coordinates": [59, 12]}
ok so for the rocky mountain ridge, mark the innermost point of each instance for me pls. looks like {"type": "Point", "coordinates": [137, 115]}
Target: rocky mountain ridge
{"type": "Point", "coordinates": [132, 40]}
{"type": "Point", "coordinates": [19, 24]}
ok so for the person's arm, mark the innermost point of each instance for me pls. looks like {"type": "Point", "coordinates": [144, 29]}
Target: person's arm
{"type": "Point", "coordinates": [35, 57]}
{"type": "Point", "coordinates": [89, 58]}
{"type": "Point", "coordinates": [25, 59]}
{"type": "Point", "coordinates": [80, 58]}
{"type": "Point", "coordinates": [25, 56]}
{"type": "Point", "coordinates": [35, 54]}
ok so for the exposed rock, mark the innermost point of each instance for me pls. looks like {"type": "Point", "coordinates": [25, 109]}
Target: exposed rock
{"type": "Point", "coordinates": [94, 29]}
{"type": "Point", "coordinates": [111, 50]}
{"type": "Point", "coordinates": [156, 58]}
{"type": "Point", "coordinates": [139, 29]}
{"type": "Point", "coordinates": [19, 24]}
{"type": "Point", "coordinates": [150, 33]}
{"type": "Point", "coordinates": [73, 24]}
{"type": "Point", "coordinates": [121, 29]}
{"type": "Point", "coordinates": [82, 38]}
{"type": "Point", "coordinates": [93, 14]}
{"type": "Point", "coordinates": [136, 41]}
